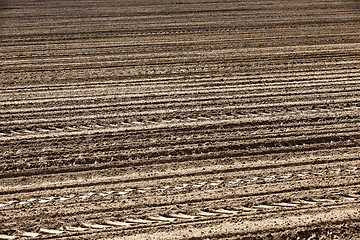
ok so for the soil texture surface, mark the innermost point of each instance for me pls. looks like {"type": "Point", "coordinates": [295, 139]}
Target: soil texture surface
{"type": "Point", "coordinates": [179, 119]}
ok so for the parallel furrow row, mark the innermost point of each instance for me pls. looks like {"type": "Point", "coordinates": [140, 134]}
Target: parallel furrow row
{"type": "Point", "coordinates": [256, 77]}
{"type": "Point", "coordinates": [219, 183]}
{"type": "Point", "coordinates": [200, 215]}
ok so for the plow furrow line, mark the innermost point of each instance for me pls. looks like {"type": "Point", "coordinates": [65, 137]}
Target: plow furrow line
{"type": "Point", "coordinates": [191, 185]}
{"type": "Point", "coordinates": [110, 34]}
{"type": "Point", "coordinates": [163, 58]}
{"type": "Point", "coordinates": [269, 76]}
{"type": "Point", "coordinates": [350, 100]}
{"type": "Point", "coordinates": [171, 53]}
{"type": "Point", "coordinates": [310, 195]}
{"type": "Point", "coordinates": [314, 52]}
{"type": "Point", "coordinates": [295, 139]}
{"type": "Point", "coordinates": [227, 32]}
{"type": "Point", "coordinates": [161, 74]}
{"type": "Point", "coordinates": [259, 194]}
{"type": "Point", "coordinates": [210, 134]}
{"type": "Point", "coordinates": [109, 45]}
{"type": "Point", "coordinates": [341, 128]}
{"type": "Point", "coordinates": [182, 217]}
{"type": "Point", "coordinates": [74, 131]}
{"type": "Point", "coordinates": [183, 101]}
{"type": "Point", "coordinates": [349, 159]}
{"type": "Point", "coordinates": [106, 163]}
{"type": "Point", "coordinates": [116, 65]}
{"type": "Point", "coordinates": [166, 90]}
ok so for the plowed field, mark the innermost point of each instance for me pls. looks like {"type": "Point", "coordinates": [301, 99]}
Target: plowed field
{"type": "Point", "coordinates": [180, 119]}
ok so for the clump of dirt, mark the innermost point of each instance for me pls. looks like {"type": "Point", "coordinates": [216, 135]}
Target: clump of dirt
{"type": "Point", "coordinates": [349, 230]}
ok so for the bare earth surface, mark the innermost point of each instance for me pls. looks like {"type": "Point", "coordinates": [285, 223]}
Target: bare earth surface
{"type": "Point", "coordinates": [179, 119]}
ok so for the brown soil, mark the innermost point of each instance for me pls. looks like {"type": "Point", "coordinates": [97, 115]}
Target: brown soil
{"type": "Point", "coordinates": [179, 119]}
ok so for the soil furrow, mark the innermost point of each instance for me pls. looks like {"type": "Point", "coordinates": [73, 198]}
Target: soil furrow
{"type": "Point", "coordinates": [179, 120]}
